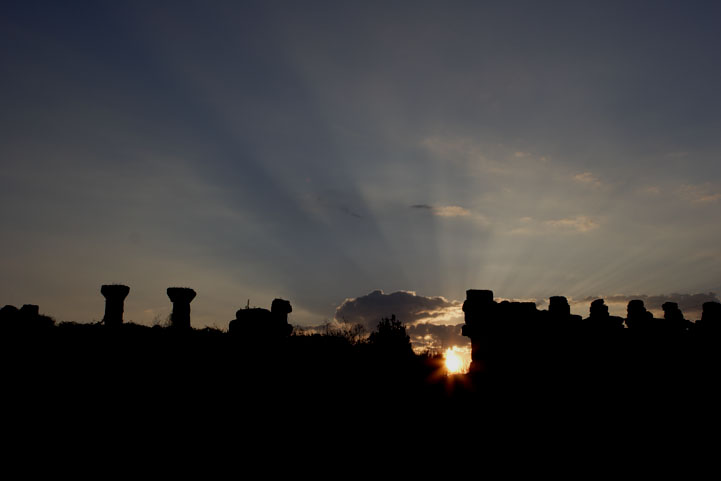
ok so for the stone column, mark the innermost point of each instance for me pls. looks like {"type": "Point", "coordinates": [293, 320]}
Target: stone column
{"type": "Point", "coordinates": [279, 309]}
{"type": "Point", "coordinates": [637, 317]}
{"type": "Point", "coordinates": [558, 307]}
{"type": "Point", "coordinates": [673, 319]}
{"type": "Point", "coordinates": [115, 295]}
{"type": "Point", "coordinates": [479, 310]}
{"type": "Point", "coordinates": [181, 297]}
{"type": "Point", "coordinates": [710, 319]}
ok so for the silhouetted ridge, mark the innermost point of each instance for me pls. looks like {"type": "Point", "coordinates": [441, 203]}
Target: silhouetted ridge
{"type": "Point", "coordinates": [519, 352]}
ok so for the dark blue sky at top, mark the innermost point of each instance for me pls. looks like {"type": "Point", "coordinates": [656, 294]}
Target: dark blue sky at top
{"type": "Point", "coordinates": [264, 149]}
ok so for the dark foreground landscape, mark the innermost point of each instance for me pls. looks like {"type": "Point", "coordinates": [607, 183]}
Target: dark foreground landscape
{"type": "Point", "coordinates": [530, 368]}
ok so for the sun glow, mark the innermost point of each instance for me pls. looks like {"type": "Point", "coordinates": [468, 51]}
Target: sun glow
{"type": "Point", "coordinates": [455, 363]}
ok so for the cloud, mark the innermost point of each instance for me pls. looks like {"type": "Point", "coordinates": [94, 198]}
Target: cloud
{"type": "Point", "coordinates": [650, 190]}
{"type": "Point", "coordinates": [435, 337]}
{"type": "Point", "coordinates": [452, 211]}
{"type": "Point", "coordinates": [480, 160]}
{"type": "Point", "coordinates": [405, 305]}
{"type": "Point", "coordinates": [690, 304]}
{"type": "Point", "coordinates": [699, 193]}
{"type": "Point", "coordinates": [444, 210]}
{"type": "Point", "coordinates": [467, 153]}
{"type": "Point", "coordinates": [324, 205]}
{"type": "Point", "coordinates": [580, 223]}
{"type": "Point", "coordinates": [348, 211]}
{"type": "Point", "coordinates": [588, 179]}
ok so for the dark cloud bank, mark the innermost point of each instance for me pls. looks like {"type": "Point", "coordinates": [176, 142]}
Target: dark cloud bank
{"type": "Point", "coordinates": [407, 306]}
{"type": "Point", "coordinates": [431, 322]}
{"type": "Point", "coordinates": [435, 337]}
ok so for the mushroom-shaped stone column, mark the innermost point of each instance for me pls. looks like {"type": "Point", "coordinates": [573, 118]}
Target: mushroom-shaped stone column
{"type": "Point", "coordinates": [181, 297]}
{"type": "Point", "coordinates": [115, 295]}
{"type": "Point", "coordinates": [279, 309]}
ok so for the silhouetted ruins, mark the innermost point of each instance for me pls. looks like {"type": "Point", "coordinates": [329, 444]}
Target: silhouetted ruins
{"type": "Point", "coordinates": [600, 320]}
{"type": "Point", "coordinates": [115, 295]}
{"type": "Point", "coordinates": [519, 352]}
{"type": "Point", "coordinates": [181, 297]}
{"type": "Point", "coordinates": [710, 318]}
{"type": "Point", "coordinates": [515, 335]}
{"type": "Point", "coordinates": [26, 318]}
{"type": "Point", "coordinates": [256, 324]}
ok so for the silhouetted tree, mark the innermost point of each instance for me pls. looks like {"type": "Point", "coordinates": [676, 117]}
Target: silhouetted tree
{"type": "Point", "coordinates": [352, 333]}
{"type": "Point", "coordinates": [390, 337]}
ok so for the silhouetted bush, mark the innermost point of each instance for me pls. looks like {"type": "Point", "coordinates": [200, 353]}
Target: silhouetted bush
{"type": "Point", "coordinates": [390, 337]}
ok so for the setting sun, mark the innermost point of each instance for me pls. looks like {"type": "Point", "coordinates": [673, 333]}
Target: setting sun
{"type": "Point", "coordinates": [455, 364]}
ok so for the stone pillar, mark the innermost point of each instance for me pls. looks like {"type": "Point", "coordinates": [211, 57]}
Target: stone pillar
{"type": "Point", "coordinates": [279, 309]}
{"type": "Point", "coordinates": [637, 317]}
{"type": "Point", "coordinates": [599, 310]}
{"type": "Point", "coordinates": [558, 307]}
{"type": "Point", "coordinates": [600, 319]}
{"type": "Point", "coordinates": [673, 319]}
{"type": "Point", "coordinates": [710, 318]}
{"type": "Point", "coordinates": [479, 309]}
{"type": "Point", "coordinates": [711, 312]}
{"type": "Point", "coordinates": [181, 297]}
{"type": "Point", "coordinates": [115, 295]}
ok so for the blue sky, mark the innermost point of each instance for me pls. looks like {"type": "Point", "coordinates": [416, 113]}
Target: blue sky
{"type": "Point", "coordinates": [320, 151]}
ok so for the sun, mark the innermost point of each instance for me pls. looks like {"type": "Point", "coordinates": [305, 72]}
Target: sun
{"type": "Point", "coordinates": [454, 362]}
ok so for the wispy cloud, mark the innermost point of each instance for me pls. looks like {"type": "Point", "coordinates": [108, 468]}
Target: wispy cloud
{"type": "Point", "coordinates": [471, 156]}
{"type": "Point", "coordinates": [650, 190]}
{"type": "Point", "coordinates": [699, 193]}
{"type": "Point", "coordinates": [450, 211]}
{"type": "Point", "coordinates": [436, 337]}
{"type": "Point", "coordinates": [578, 224]}
{"type": "Point", "coordinates": [588, 179]}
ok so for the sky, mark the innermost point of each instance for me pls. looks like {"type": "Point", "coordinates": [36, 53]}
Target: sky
{"type": "Point", "coordinates": [359, 159]}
